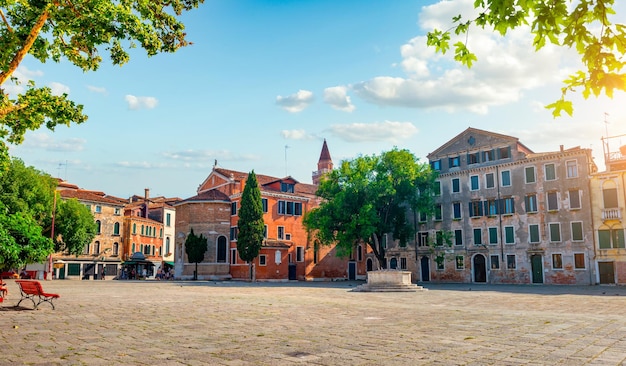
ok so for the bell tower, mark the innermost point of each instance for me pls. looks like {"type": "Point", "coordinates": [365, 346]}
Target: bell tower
{"type": "Point", "coordinates": [324, 164]}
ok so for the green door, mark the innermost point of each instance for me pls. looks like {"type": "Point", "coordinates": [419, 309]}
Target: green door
{"type": "Point", "coordinates": [536, 263]}
{"type": "Point", "coordinates": [607, 272]}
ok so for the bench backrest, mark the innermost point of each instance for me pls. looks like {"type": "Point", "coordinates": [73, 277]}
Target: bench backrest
{"type": "Point", "coordinates": [30, 287]}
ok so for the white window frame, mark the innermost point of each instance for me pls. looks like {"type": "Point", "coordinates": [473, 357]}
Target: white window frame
{"type": "Point", "coordinates": [584, 261]}
{"type": "Point", "coordinates": [526, 174]}
{"type": "Point", "coordinates": [458, 181]}
{"type": "Point", "coordinates": [560, 239]}
{"type": "Point", "coordinates": [477, 183]}
{"type": "Point", "coordinates": [280, 232]}
{"type": "Point", "coordinates": [493, 180]}
{"type": "Point", "coordinates": [581, 231]}
{"type": "Point", "coordinates": [538, 234]}
{"type": "Point", "coordinates": [560, 256]}
{"type": "Point", "coordinates": [568, 165]}
{"type": "Point", "coordinates": [262, 260]}
{"type": "Point", "coordinates": [556, 193]}
{"type": "Point", "coordinates": [508, 172]}
{"type": "Point", "coordinates": [545, 171]}
{"type": "Point", "coordinates": [569, 197]}
{"type": "Point", "coordinates": [505, 228]}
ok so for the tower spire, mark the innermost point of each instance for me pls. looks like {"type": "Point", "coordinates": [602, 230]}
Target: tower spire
{"type": "Point", "coordinates": [324, 164]}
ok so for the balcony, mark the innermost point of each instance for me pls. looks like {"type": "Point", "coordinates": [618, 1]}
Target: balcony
{"type": "Point", "coordinates": [612, 214]}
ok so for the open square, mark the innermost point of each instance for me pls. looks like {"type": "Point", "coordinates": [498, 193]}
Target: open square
{"type": "Point", "coordinates": [313, 323]}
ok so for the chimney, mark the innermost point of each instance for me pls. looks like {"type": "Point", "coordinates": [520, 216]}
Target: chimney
{"type": "Point", "coordinates": [147, 190]}
{"type": "Point", "coordinates": [561, 148]}
{"type": "Point", "coordinates": [146, 203]}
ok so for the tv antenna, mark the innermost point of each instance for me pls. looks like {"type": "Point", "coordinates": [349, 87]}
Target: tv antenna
{"type": "Point", "coordinates": [59, 170]}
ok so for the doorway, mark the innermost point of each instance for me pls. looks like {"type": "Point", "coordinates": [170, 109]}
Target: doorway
{"type": "Point", "coordinates": [607, 272]}
{"type": "Point", "coordinates": [536, 263]}
{"type": "Point", "coordinates": [352, 270]}
{"type": "Point", "coordinates": [480, 268]}
{"type": "Point", "coordinates": [425, 267]}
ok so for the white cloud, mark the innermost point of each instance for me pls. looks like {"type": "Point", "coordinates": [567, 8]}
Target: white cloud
{"type": "Point", "coordinates": [297, 135]}
{"type": "Point", "coordinates": [136, 103]}
{"type": "Point", "coordinates": [45, 141]}
{"type": "Point", "coordinates": [97, 89]}
{"type": "Point", "coordinates": [295, 103]}
{"type": "Point", "coordinates": [505, 67]}
{"type": "Point", "coordinates": [389, 131]}
{"type": "Point", "coordinates": [59, 89]}
{"type": "Point", "coordinates": [23, 75]}
{"type": "Point", "coordinates": [337, 97]}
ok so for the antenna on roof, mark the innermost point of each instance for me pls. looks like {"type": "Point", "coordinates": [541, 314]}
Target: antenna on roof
{"type": "Point", "coordinates": [286, 147]}
{"type": "Point", "coordinates": [59, 170]}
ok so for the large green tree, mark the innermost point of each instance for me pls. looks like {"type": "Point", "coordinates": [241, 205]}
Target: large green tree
{"type": "Point", "coordinates": [251, 225]}
{"type": "Point", "coordinates": [79, 31]}
{"type": "Point", "coordinates": [195, 247]}
{"type": "Point", "coordinates": [371, 196]}
{"type": "Point", "coordinates": [583, 25]}
{"type": "Point", "coordinates": [74, 226]}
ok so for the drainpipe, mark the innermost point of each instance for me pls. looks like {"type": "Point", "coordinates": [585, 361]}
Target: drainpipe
{"type": "Point", "coordinates": [499, 214]}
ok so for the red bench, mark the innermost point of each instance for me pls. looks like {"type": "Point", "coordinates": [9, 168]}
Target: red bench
{"type": "Point", "coordinates": [32, 291]}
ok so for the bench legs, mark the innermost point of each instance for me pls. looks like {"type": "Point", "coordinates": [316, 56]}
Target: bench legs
{"type": "Point", "coordinates": [36, 304]}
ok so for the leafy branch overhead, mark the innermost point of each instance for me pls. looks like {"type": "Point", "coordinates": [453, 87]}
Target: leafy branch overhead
{"type": "Point", "coordinates": [584, 26]}
{"type": "Point", "coordinates": [80, 31]}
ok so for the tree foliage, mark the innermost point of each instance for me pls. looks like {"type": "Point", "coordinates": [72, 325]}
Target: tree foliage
{"type": "Point", "coordinates": [74, 226]}
{"type": "Point", "coordinates": [583, 25]}
{"type": "Point", "coordinates": [195, 247]}
{"type": "Point", "coordinates": [369, 197]}
{"type": "Point", "coordinates": [79, 31]}
{"type": "Point", "coordinates": [250, 224]}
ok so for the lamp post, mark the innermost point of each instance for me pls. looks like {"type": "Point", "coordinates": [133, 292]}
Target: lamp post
{"type": "Point", "coordinates": [54, 208]}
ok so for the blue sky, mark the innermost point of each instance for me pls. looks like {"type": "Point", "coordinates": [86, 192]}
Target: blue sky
{"type": "Point", "coordinates": [266, 81]}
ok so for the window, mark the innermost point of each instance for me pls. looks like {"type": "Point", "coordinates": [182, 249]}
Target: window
{"type": "Point", "coordinates": [289, 208]}
{"type": "Point", "coordinates": [492, 207]}
{"type": "Point", "coordinates": [553, 202]}
{"type": "Point", "coordinates": [557, 261]}
{"type": "Point", "coordinates": [488, 155]}
{"type": "Point", "coordinates": [454, 162]}
{"type": "Point", "coordinates": [458, 237]}
{"type": "Point", "coordinates": [359, 253]}
{"type": "Point", "coordinates": [168, 219]}
{"type": "Point", "coordinates": [264, 203]}
{"type": "Point", "coordinates": [422, 217]}
{"type": "Point", "coordinates": [460, 262]}
{"type": "Point", "coordinates": [142, 229]}
{"type": "Point", "coordinates": [160, 232]}
{"type": "Point", "coordinates": [438, 215]}
{"type": "Point", "coordinates": [98, 209]}
{"type": "Point", "coordinates": [116, 249]}
{"type": "Point", "coordinates": [287, 187]}
{"type": "Point", "coordinates": [456, 185]}
{"type": "Point", "coordinates": [98, 226]}
{"type": "Point", "coordinates": [422, 238]}
{"type": "Point", "coordinates": [437, 188]}
{"type": "Point", "coordinates": [117, 211]}
{"type": "Point", "coordinates": [489, 180]}
{"type": "Point", "coordinates": [495, 262]}
{"type": "Point", "coordinates": [233, 233]}
{"type": "Point", "coordinates": [441, 265]}
{"type": "Point", "coordinates": [134, 228]}
{"type": "Point", "coordinates": [167, 246]}
{"type": "Point", "coordinates": [609, 196]}
{"type": "Point", "coordinates": [555, 231]}
{"type": "Point", "coordinates": [613, 238]}
{"type": "Point", "coordinates": [572, 168]}
{"type": "Point", "coordinates": [96, 247]}
{"type": "Point", "coordinates": [265, 231]}
{"type": "Point", "coordinates": [531, 203]}
{"type": "Point", "coordinates": [510, 261]}
{"type": "Point", "coordinates": [287, 236]}
{"type": "Point", "coordinates": [456, 210]}
{"type": "Point", "coordinates": [474, 186]}
{"type": "Point", "coordinates": [529, 174]}
{"type": "Point", "coordinates": [281, 233]}
{"type": "Point", "coordinates": [493, 235]}
{"type": "Point", "coordinates": [473, 158]}
{"type": "Point", "coordinates": [233, 255]}
{"type": "Point", "coordinates": [574, 199]}
{"type": "Point", "coordinates": [577, 231]}
{"type": "Point", "coordinates": [262, 260]}
{"type": "Point", "coordinates": [233, 208]}
{"type": "Point", "coordinates": [439, 238]}
{"type": "Point", "coordinates": [507, 205]}
{"type": "Point", "coordinates": [116, 228]}
{"type": "Point", "coordinates": [402, 263]}
{"type": "Point", "coordinates": [299, 254]}
{"type": "Point", "coordinates": [579, 261]}
{"type": "Point", "coordinates": [478, 236]}
{"type": "Point", "coordinates": [506, 178]}
{"type": "Point", "coordinates": [504, 152]}
{"type": "Point", "coordinates": [435, 165]}
{"type": "Point", "coordinates": [475, 208]}
{"type": "Point", "coordinates": [533, 233]}
{"type": "Point", "coordinates": [550, 171]}
{"type": "Point", "coordinates": [509, 235]}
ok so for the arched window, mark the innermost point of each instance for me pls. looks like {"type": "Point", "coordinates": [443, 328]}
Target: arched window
{"type": "Point", "coordinates": [133, 251]}
{"type": "Point", "coordinates": [116, 228]}
{"type": "Point", "coordinates": [393, 264]}
{"type": "Point", "coordinates": [96, 247]}
{"type": "Point", "coordinates": [116, 248]}
{"type": "Point", "coordinates": [134, 228]}
{"type": "Point", "coordinates": [221, 249]}
{"type": "Point", "coordinates": [98, 226]}
{"type": "Point", "coordinates": [359, 253]}
{"type": "Point", "coordinates": [167, 246]}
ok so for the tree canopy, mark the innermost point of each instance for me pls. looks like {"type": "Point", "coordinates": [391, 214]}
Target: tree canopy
{"type": "Point", "coordinates": [74, 226]}
{"type": "Point", "coordinates": [250, 224]}
{"type": "Point", "coordinates": [368, 197]}
{"type": "Point", "coordinates": [583, 25]}
{"type": "Point", "coordinates": [79, 31]}
{"type": "Point", "coordinates": [195, 247]}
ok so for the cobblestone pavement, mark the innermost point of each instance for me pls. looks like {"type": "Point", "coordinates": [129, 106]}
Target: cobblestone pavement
{"type": "Point", "coordinates": [234, 323]}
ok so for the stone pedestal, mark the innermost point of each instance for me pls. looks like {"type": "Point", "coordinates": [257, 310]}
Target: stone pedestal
{"type": "Point", "coordinates": [389, 281]}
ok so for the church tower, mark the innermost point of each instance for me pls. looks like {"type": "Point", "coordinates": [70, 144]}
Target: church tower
{"type": "Point", "coordinates": [324, 164]}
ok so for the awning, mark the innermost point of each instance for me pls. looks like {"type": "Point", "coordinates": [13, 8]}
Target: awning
{"type": "Point", "coordinates": [169, 263]}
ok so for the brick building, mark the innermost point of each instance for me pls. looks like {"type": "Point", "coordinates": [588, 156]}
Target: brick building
{"type": "Point", "coordinates": [514, 216]}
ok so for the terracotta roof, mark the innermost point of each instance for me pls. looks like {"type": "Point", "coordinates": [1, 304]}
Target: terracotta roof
{"type": "Point", "coordinates": [270, 243]}
{"type": "Point", "coordinates": [264, 180]}
{"type": "Point", "coordinates": [83, 195]}
{"type": "Point", "coordinates": [212, 195]}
